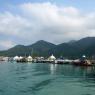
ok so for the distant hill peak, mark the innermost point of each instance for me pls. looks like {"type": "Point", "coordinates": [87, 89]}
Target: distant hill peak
{"type": "Point", "coordinates": [42, 42]}
{"type": "Point", "coordinates": [19, 45]}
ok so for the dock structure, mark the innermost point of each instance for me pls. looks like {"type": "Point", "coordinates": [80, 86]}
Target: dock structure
{"type": "Point", "coordinates": [51, 59]}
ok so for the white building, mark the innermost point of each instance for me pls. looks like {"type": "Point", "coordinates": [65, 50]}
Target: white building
{"type": "Point", "coordinates": [16, 58]}
{"type": "Point", "coordinates": [52, 58]}
{"type": "Point", "coordinates": [20, 57]}
{"type": "Point", "coordinates": [29, 59]}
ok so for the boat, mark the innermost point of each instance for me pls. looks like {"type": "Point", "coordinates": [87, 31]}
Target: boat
{"type": "Point", "coordinates": [22, 60]}
{"type": "Point", "coordinates": [61, 61]}
{"type": "Point", "coordinates": [82, 63]}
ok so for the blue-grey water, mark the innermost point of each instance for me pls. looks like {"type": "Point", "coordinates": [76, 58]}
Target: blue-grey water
{"type": "Point", "coordinates": [46, 79]}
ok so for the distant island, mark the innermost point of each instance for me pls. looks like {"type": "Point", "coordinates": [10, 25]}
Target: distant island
{"type": "Point", "coordinates": [72, 49]}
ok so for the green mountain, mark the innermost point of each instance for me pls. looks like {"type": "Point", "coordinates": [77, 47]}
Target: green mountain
{"type": "Point", "coordinates": [65, 50]}
{"type": "Point", "coordinates": [42, 48]}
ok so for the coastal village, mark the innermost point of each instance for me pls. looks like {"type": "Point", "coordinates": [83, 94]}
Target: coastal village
{"type": "Point", "coordinates": [83, 61]}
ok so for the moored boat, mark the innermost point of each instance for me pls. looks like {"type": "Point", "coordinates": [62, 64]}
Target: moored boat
{"type": "Point", "coordinates": [82, 63]}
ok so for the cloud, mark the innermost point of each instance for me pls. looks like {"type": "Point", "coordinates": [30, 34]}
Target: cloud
{"type": "Point", "coordinates": [47, 21]}
{"type": "Point", "coordinates": [6, 44]}
{"type": "Point", "coordinates": [12, 24]}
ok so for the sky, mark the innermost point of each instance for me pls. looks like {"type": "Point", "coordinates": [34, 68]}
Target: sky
{"type": "Point", "coordinates": [56, 21]}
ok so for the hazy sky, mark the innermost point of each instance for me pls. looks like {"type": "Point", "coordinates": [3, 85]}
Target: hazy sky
{"type": "Point", "coordinates": [56, 21]}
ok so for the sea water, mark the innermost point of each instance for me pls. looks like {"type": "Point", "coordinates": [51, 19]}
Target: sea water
{"type": "Point", "coordinates": [46, 79]}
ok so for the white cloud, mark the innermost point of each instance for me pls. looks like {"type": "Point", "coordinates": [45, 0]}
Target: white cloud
{"type": "Point", "coordinates": [12, 24]}
{"type": "Point", "coordinates": [71, 11]}
{"type": "Point", "coordinates": [47, 21]}
{"type": "Point", "coordinates": [5, 44]}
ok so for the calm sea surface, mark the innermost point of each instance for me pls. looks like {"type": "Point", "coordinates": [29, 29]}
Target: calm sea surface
{"type": "Point", "coordinates": [46, 79]}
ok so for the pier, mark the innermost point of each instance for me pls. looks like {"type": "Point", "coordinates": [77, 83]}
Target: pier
{"type": "Point", "coordinates": [52, 59]}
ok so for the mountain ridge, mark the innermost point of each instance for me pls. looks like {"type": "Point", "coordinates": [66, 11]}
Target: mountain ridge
{"type": "Point", "coordinates": [44, 48]}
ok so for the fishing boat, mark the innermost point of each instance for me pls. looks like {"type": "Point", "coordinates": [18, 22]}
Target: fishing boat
{"type": "Point", "coordinates": [61, 61]}
{"type": "Point", "coordinates": [82, 63]}
{"type": "Point", "coordinates": [22, 60]}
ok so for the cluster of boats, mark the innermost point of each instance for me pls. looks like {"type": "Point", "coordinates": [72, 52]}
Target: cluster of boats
{"type": "Point", "coordinates": [23, 59]}
{"type": "Point", "coordinates": [52, 59]}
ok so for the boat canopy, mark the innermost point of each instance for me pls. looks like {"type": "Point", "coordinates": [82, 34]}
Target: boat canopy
{"type": "Point", "coordinates": [29, 57]}
{"type": "Point", "coordinates": [16, 58]}
{"type": "Point", "coordinates": [52, 57]}
{"type": "Point", "coordinates": [20, 57]}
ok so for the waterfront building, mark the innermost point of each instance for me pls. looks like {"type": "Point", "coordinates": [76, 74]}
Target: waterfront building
{"type": "Point", "coordinates": [29, 59]}
{"type": "Point", "coordinates": [16, 58]}
{"type": "Point", "coordinates": [52, 58]}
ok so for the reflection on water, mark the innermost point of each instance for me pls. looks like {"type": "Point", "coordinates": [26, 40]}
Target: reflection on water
{"type": "Point", "coordinates": [46, 79]}
{"type": "Point", "coordinates": [53, 68]}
